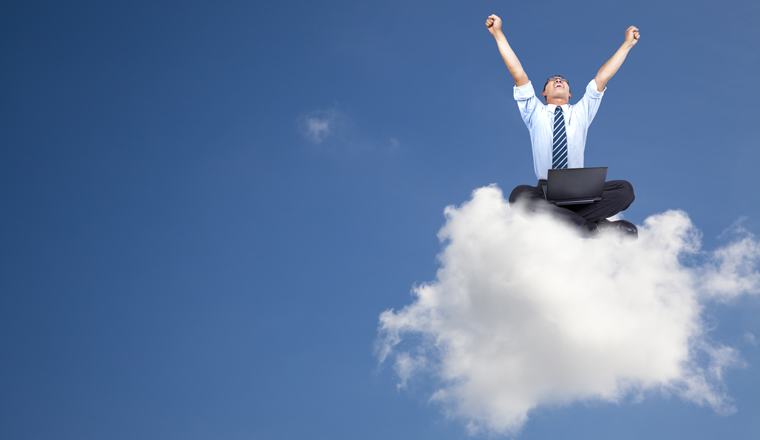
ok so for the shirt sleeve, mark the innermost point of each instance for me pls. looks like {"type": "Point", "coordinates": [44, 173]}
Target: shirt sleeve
{"type": "Point", "coordinates": [527, 103]}
{"type": "Point", "coordinates": [589, 104]}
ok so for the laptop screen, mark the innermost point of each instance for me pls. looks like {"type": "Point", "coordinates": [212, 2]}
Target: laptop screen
{"type": "Point", "coordinates": [575, 183]}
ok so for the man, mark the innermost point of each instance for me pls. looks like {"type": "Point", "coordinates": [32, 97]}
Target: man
{"type": "Point", "coordinates": [558, 136]}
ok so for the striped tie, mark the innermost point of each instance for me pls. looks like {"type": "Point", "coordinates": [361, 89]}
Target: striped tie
{"type": "Point", "coordinates": [559, 145]}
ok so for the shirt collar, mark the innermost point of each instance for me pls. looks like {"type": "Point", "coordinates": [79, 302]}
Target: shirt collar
{"type": "Point", "coordinates": [551, 107]}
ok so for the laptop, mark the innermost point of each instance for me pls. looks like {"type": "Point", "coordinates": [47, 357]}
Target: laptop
{"type": "Point", "coordinates": [575, 186]}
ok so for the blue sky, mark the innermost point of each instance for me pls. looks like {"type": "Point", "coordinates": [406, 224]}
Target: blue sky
{"type": "Point", "coordinates": [180, 261]}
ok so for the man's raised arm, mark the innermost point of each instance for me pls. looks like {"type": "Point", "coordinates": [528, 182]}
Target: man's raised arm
{"type": "Point", "coordinates": [613, 64]}
{"type": "Point", "coordinates": [493, 23]}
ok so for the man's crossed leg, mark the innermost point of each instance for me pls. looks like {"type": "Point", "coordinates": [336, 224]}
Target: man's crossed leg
{"type": "Point", "coordinates": [590, 219]}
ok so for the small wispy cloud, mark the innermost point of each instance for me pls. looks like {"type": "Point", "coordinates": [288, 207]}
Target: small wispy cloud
{"type": "Point", "coordinates": [527, 314]}
{"type": "Point", "coordinates": [750, 338]}
{"type": "Point", "coordinates": [333, 130]}
{"type": "Point", "coordinates": [316, 126]}
{"type": "Point", "coordinates": [317, 129]}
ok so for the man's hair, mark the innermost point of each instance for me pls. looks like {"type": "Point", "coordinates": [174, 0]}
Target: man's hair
{"type": "Point", "coordinates": [549, 79]}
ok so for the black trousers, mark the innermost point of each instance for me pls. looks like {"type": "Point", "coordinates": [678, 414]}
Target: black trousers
{"type": "Point", "coordinates": [616, 197]}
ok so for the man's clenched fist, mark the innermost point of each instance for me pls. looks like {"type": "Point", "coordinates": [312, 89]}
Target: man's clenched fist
{"type": "Point", "coordinates": [493, 23]}
{"type": "Point", "coordinates": [632, 35]}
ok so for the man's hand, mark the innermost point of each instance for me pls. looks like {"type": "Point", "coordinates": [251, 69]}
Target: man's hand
{"type": "Point", "coordinates": [631, 36]}
{"type": "Point", "coordinates": [493, 23]}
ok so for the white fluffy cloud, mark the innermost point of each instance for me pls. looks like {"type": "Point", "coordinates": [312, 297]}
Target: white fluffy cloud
{"type": "Point", "coordinates": [523, 314]}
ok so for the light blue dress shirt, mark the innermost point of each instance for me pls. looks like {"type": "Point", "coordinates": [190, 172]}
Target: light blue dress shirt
{"type": "Point", "coordinates": [539, 118]}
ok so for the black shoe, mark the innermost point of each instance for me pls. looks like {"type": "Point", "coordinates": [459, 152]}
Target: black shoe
{"type": "Point", "coordinates": [623, 227]}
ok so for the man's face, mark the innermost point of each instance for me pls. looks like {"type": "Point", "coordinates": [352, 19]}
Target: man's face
{"type": "Point", "coordinates": [557, 88]}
